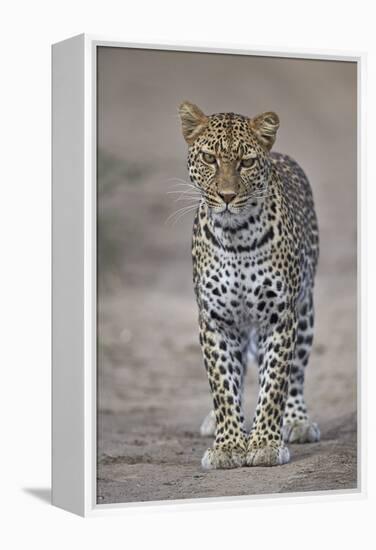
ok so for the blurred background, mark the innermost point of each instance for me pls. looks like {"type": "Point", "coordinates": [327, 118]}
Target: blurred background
{"type": "Point", "coordinates": [152, 387]}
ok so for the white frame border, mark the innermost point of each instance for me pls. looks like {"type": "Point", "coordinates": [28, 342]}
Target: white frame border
{"type": "Point", "coordinates": [86, 504]}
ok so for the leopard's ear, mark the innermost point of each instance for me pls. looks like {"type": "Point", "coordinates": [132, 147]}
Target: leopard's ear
{"type": "Point", "coordinates": [265, 126]}
{"type": "Point", "coordinates": [193, 121]}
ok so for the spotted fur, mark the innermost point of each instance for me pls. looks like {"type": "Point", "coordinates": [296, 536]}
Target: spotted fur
{"type": "Point", "coordinates": [255, 250]}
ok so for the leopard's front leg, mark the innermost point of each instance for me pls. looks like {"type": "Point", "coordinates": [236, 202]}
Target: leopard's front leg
{"type": "Point", "coordinates": [224, 351]}
{"type": "Point", "coordinates": [276, 348]}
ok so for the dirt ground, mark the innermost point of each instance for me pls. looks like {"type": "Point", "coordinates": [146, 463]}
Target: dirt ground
{"type": "Point", "coordinates": [152, 387]}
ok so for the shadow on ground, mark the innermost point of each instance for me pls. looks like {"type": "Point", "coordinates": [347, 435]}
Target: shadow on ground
{"type": "Point", "coordinates": [40, 493]}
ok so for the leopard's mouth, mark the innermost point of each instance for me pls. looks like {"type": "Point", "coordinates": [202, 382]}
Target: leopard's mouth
{"type": "Point", "coordinates": [233, 213]}
{"type": "Point", "coordinates": [226, 213]}
{"type": "Point", "coordinates": [229, 209]}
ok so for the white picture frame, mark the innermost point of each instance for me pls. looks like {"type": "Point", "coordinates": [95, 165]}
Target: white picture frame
{"type": "Point", "coordinates": [74, 274]}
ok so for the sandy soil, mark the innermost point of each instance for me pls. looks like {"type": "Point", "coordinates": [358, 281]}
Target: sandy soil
{"type": "Point", "coordinates": [152, 387]}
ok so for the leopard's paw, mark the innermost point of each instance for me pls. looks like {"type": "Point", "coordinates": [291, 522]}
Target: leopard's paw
{"type": "Point", "coordinates": [301, 432]}
{"type": "Point", "coordinates": [208, 425]}
{"type": "Point", "coordinates": [223, 458]}
{"type": "Point", "coordinates": [267, 455]}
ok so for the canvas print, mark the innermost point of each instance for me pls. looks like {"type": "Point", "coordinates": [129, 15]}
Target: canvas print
{"type": "Point", "coordinates": [226, 275]}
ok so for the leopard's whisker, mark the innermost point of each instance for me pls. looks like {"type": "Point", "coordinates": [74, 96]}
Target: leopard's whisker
{"type": "Point", "coordinates": [177, 179]}
{"type": "Point", "coordinates": [180, 212]}
{"type": "Point", "coordinates": [174, 220]}
{"type": "Point", "coordinates": [184, 187]}
{"type": "Point", "coordinates": [188, 194]}
{"type": "Point", "coordinates": [181, 182]}
{"type": "Point", "coordinates": [181, 191]}
{"type": "Point", "coordinates": [184, 193]}
{"type": "Point", "coordinates": [193, 198]}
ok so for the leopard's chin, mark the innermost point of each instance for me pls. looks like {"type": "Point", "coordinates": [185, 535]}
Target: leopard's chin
{"type": "Point", "coordinates": [229, 217]}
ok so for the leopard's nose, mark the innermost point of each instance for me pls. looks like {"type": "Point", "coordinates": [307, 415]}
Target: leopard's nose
{"type": "Point", "coordinates": [227, 196]}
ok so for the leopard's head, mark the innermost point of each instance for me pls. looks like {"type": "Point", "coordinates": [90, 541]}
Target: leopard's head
{"type": "Point", "coordinates": [228, 157]}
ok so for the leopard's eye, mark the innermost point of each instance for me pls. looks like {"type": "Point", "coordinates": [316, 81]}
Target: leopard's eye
{"type": "Point", "coordinates": [210, 159]}
{"type": "Point", "coordinates": [247, 163]}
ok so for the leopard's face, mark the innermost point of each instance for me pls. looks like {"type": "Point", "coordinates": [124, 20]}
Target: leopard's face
{"type": "Point", "coordinates": [228, 158]}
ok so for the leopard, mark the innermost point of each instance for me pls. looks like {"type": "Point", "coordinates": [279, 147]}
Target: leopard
{"type": "Point", "coordinates": [255, 249]}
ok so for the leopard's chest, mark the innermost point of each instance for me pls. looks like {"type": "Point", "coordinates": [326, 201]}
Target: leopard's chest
{"type": "Point", "coordinates": [241, 290]}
